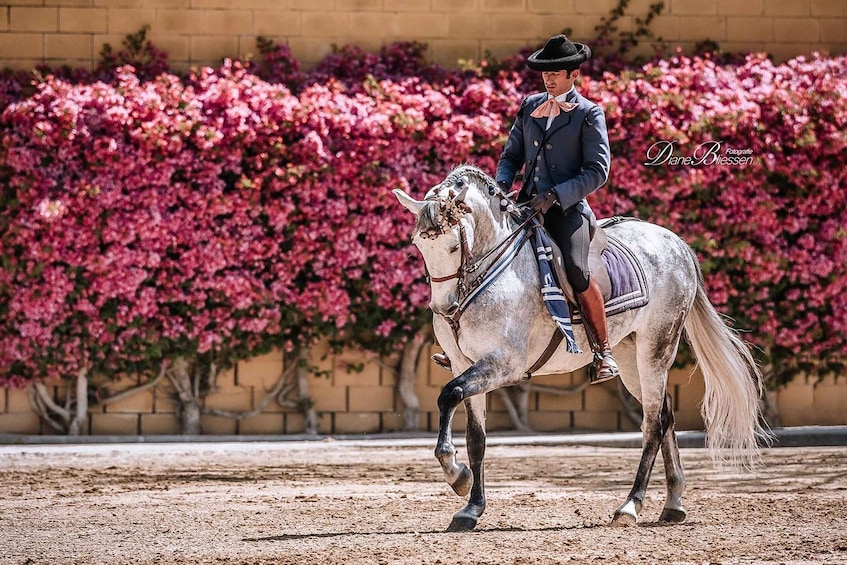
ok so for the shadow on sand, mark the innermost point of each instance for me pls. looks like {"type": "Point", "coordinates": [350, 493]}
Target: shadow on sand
{"type": "Point", "coordinates": [286, 537]}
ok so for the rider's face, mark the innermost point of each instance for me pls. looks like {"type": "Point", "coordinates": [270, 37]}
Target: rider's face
{"type": "Point", "coordinates": [559, 82]}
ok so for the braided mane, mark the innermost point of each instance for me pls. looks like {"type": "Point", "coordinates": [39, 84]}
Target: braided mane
{"type": "Point", "coordinates": [438, 212]}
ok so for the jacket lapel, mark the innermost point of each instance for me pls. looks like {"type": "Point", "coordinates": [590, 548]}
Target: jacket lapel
{"type": "Point", "coordinates": [540, 122]}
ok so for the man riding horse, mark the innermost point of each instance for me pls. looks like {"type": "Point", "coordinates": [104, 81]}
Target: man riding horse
{"type": "Point", "coordinates": [559, 138]}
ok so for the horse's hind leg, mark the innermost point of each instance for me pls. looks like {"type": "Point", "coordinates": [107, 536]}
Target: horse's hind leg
{"type": "Point", "coordinates": [653, 427]}
{"type": "Point", "coordinates": [659, 432]}
{"type": "Point", "coordinates": [673, 511]}
{"type": "Point", "coordinates": [466, 518]}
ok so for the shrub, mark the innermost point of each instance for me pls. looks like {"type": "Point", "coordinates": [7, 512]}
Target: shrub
{"type": "Point", "coordinates": [248, 206]}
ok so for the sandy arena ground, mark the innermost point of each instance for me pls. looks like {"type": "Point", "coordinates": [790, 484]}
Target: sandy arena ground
{"type": "Point", "coordinates": [384, 502]}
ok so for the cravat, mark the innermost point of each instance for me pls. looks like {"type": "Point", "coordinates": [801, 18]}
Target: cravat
{"type": "Point", "coordinates": [552, 108]}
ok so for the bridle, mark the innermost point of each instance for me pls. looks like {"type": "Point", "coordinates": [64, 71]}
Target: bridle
{"type": "Point", "coordinates": [498, 257]}
{"type": "Point", "coordinates": [467, 267]}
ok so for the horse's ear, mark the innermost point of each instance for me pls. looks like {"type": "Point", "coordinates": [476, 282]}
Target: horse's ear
{"type": "Point", "coordinates": [409, 203]}
{"type": "Point", "coordinates": [461, 196]}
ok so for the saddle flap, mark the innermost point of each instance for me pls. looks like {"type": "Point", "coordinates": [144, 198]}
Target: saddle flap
{"type": "Point", "coordinates": [596, 266]}
{"type": "Point", "coordinates": [599, 241]}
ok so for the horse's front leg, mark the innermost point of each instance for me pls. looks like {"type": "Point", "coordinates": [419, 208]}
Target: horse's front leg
{"type": "Point", "coordinates": [458, 476]}
{"type": "Point", "coordinates": [483, 376]}
{"type": "Point", "coordinates": [467, 517]}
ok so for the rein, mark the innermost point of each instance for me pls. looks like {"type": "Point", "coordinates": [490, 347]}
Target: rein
{"type": "Point", "coordinates": [503, 258]}
{"type": "Point", "coordinates": [500, 257]}
{"type": "Point", "coordinates": [504, 253]}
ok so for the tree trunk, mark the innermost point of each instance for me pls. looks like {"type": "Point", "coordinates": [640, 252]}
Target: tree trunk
{"type": "Point", "coordinates": [189, 401]}
{"type": "Point", "coordinates": [77, 425]}
{"type": "Point", "coordinates": [310, 417]}
{"type": "Point", "coordinates": [768, 402]}
{"type": "Point", "coordinates": [519, 420]}
{"type": "Point", "coordinates": [406, 381]}
{"type": "Point", "coordinates": [631, 406]}
{"type": "Point", "coordinates": [190, 419]}
{"type": "Point", "coordinates": [521, 391]}
{"type": "Point", "coordinates": [69, 419]}
{"type": "Point", "coordinates": [770, 409]}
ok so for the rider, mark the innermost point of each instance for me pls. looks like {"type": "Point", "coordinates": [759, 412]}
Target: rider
{"type": "Point", "coordinates": [560, 138]}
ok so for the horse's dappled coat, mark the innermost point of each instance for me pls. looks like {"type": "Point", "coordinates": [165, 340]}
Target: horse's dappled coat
{"type": "Point", "coordinates": [508, 327]}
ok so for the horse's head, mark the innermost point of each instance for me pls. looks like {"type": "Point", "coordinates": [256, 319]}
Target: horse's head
{"type": "Point", "coordinates": [455, 221]}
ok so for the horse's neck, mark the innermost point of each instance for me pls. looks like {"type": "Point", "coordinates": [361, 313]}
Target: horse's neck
{"type": "Point", "coordinates": [491, 232]}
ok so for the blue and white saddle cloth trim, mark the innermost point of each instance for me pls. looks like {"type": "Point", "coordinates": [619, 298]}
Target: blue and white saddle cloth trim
{"type": "Point", "coordinates": [551, 291]}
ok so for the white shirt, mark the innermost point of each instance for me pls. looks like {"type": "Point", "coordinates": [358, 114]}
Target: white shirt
{"type": "Point", "coordinates": [561, 98]}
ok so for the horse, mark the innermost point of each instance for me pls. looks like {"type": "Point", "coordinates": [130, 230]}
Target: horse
{"type": "Point", "coordinates": [492, 323]}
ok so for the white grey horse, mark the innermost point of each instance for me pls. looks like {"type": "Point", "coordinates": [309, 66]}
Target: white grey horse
{"type": "Point", "coordinates": [494, 338]}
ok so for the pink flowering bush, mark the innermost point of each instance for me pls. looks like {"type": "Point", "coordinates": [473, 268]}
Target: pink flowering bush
{"type": "Point", "coordinates": [129, 233]}
{"type": "Point", "coordinates": [222, 213]}
{"type": "Point", "coordinates": [766, 212]}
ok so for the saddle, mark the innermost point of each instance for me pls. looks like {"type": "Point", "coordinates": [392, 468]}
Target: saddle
{"type": "Point", "coordinates": [612, 264]}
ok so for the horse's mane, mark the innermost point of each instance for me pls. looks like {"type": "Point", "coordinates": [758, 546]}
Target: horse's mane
{"type": "Point", "coordinates": [472, 170]}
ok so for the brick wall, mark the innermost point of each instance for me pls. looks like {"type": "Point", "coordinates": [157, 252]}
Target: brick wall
{"type": "Point", "coordinates": [204, 31]}
{"type": "Point", "coordinates": [367, 402]}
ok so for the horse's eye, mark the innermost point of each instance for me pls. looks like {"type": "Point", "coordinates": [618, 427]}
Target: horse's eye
{"type": "Point", "coordinates": [454, 248]}
{"type": "Point", "coordinates": [460, 183]}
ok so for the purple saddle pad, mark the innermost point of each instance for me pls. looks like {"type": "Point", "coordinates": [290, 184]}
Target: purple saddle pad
{"type": "Point", "coordinates": [629, 285]}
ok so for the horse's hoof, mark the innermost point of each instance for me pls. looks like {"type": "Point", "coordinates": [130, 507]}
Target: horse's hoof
{"type": "Point", "coordinates": [624, 520]}
{"type": "Point", "coordinates": [672, 515]}
{"type": "Point", "coordinates": [462, 485]}
{"type": "Point", "coordinates": [462, 524]}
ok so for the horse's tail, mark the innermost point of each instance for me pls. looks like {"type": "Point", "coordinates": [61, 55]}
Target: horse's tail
{"type": "Point", "coordinates": [734, 384]}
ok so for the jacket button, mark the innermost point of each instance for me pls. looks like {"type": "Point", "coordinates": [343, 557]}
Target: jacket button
{"type": "Point", "coordinates": [535, 179]}
{"type": "Point", "coordinates": [552, 166]}
{"type": "Point", "coordinates": [549, 147]}
{"type": "Point", "coordinates": [535, 143]}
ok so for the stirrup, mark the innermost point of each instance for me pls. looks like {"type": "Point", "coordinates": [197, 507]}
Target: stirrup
{"type": "Point", "coordinates": [604, 368]}
{"type": "Point", "coordinates": [442, 361]}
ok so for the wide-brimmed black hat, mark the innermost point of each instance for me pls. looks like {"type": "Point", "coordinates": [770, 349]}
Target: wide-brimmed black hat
{"type": "Point", "coordinates": [559, 54]}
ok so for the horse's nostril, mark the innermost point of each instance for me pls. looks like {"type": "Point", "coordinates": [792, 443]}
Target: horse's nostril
{"type": "Point", "coordinates": [452, 308]}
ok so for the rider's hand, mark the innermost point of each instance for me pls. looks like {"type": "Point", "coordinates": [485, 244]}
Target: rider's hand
{"type": "Point", "coordinates": [543, 202]}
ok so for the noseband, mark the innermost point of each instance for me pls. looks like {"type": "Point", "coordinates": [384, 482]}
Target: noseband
{"type": "Point", "coordinates": [452, 210]}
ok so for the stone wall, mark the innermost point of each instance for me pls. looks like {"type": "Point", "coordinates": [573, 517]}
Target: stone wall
{"type": "Point", "coordinates": [367, 402]}
{"type": "Point", "coordinates": [199, 32]}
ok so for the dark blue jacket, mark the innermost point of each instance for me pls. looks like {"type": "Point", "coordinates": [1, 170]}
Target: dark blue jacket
{"type": "Point", "coordinates": [572, 157]}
